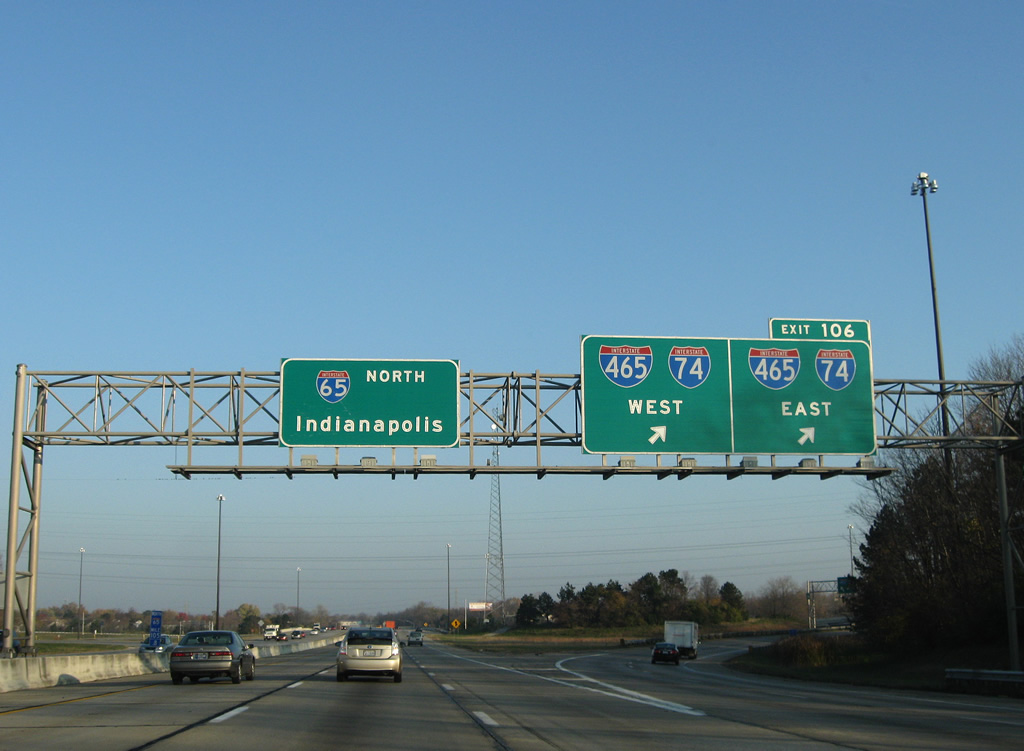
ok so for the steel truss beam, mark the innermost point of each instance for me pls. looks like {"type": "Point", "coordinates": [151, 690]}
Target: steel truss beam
{"type": "Point", "coordinates": [200, 411]}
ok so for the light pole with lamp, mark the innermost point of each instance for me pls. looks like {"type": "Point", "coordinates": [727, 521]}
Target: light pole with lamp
{"type": "Point", "coordinates": [448, 616]}
{"type": "Point", "coordinates": [81, 610]}
{"type": "Point", "coordinates": [923, 186]}
{"type": "Point", "coordinates": [216, 615]}
{"type": "Point", "coordinates": [850, 528]}
{"type": "Point", "coordinates": [298, 573]}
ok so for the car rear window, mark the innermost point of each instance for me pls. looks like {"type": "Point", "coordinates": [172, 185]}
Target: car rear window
{"type": "Point", "coordinates": [211, 639]}
{"type": "Point", "coordinates": [369, 637]}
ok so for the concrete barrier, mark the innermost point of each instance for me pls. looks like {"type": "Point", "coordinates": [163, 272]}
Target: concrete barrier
{"type": "Point", "coordinates": [19, 673]}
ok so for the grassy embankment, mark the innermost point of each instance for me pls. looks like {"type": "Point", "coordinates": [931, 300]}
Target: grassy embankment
{"type": "Point", "coordinates": [547, 639]}
{"type": "Point", "coordinates": [60, 644]}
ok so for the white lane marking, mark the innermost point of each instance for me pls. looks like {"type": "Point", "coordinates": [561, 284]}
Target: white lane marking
{"type": "Point", "coordinates": [228, 715]}
{"type": "Point", "coordinates": [447, 687]}
{"type": "Point", "coordinates": [486, 719]}
{"type": "Point", "coordinates": [606, 689]}
{"type": "Point", "coordinates": [295, 685]}
{"type": "Point", "coordinates": [628, 693]}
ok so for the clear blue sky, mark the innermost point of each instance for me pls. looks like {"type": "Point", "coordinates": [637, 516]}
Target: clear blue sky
{"type": "Point", "coordinates": [220, 185]}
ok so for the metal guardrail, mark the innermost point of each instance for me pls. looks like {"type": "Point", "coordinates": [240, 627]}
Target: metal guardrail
{"type": "Point", "coordinates": [990, 682]}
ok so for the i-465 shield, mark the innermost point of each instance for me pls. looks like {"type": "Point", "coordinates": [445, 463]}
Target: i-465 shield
{"type": "Point", "coordinates": [625, 365]}
{"type": "Point", "coordinates": [775, 368]}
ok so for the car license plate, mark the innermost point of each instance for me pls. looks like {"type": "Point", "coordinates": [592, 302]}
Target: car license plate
{"type": "Point", "coordinates": [199, 655]}
{"type": "Point", "coordinates": [369, 653]}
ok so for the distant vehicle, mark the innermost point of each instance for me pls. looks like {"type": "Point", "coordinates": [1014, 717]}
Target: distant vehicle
{"type": "Point", "coordinates": [370, 651]}
{"type": "Point", "coordinates": [665, 651]}
{"type": "Point", "coordinates": [316, 626]}
{"type": "Point", "coordinates": [270, 631]}
{"type": "Point", "coordinates": [282, 636]}
{"type": "Point", "coordinates": [298, 634]}
{"type": "Point", "coordinates": [685, 635]}
{"type": "Point", "coordinates": [314, 631]}
{"type": "Point", "coordinates": [212, 654]}
{"type": "Point", "coordinates": [163, 644]}
{"type": "Point", "coordinates": [415, 637]}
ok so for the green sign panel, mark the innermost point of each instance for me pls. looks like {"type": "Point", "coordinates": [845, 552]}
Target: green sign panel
{"type": "Point", "coordinates": [809, 328]}
{"type": "Point", "coordinates": [662, 395]}
{"type": "Point", "coordinates": [371, 403]}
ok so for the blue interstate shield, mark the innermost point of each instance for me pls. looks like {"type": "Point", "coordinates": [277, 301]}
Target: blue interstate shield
{"type": "Point", "coordinates": [625, 365]}
{"type": "Point", "coordinates": [333, 385]}
{"type": "Point", "coordinates": [835, 367]}
{"type": "Point", "coordinates": [690, 366]}
{"type": "Point", "coordinates": [775, 368]}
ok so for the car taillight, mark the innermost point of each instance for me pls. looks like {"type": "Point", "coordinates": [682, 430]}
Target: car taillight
{"type": "Point", "coordinates": [221, 653]}
{"type": "Point", "coordinates": [342, 651]}
{"type": "Point", "coordinates": [179, 654]}
{"type": "Point", "coordinates": [394, 650]}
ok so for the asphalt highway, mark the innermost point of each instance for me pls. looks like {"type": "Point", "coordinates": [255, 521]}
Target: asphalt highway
{"type": "Point", "coordinates": [452, 700]}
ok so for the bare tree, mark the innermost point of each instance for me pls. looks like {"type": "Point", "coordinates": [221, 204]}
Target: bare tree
{"type": "Point", "coordinates": [708, 589]}
{"type": "Point", "coordinates": [781, 598]}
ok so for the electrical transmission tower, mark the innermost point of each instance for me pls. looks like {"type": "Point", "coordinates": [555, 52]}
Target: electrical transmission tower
{"type": "Point", "coordinates": [495, 594]}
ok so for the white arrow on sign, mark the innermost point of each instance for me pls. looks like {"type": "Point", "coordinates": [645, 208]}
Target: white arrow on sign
{"type": "Point", "coordinates": [658, 433]}
{"type": "Point", "coordinates": [806, 434]}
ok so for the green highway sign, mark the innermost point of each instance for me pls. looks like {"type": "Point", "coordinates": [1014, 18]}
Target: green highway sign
{"type": "Point", "coordinates": [655, 395]}
{"type": "Point", "coordinates": [370, 403]}
{"type": "Point", "coordinates": [802, 396]}
{"type": "Point", "coordinates": [810, 328]}
{"type": "Point", "coordinates": [667, 395]}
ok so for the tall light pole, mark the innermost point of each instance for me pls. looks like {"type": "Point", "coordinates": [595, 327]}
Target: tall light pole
{"type": "Point", "coordinates": [850, 527]}
{"type": "Point", "coordinates": [923, 186]}
{"type": "Point", "coordinates": [216, 615]}
{"type": "Point", "coordinates": [298, 573]}
{"type": "Point", "coordinates": [81, 610]}
{"type": "Point", "coordinates": [448, 622]}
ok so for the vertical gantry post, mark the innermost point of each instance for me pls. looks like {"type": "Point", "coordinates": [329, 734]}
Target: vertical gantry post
{"type": "Point", "coordinates": [11, 557]}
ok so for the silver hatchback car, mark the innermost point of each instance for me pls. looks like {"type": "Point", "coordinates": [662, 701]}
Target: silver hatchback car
{"type": "Point", "coordinates": [370, 651]}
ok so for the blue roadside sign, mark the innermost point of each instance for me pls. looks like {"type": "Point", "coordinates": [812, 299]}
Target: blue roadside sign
{"type": "Point", "coordinates": [155, 626]}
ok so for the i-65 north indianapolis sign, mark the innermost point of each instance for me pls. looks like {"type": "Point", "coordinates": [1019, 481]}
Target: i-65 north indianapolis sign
{"type": "Point", "coordinates": [372, 403]}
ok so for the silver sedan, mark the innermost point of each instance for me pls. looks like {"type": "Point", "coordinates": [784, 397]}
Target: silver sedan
{"type": "Point", "coordinates": [212, 654]}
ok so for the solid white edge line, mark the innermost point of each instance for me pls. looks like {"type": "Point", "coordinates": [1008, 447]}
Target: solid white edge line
{"type": "Point", "coordinates": [486, 719]}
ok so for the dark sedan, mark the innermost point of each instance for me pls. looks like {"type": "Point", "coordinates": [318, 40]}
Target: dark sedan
{"type": "Point", "coordinates": [212, 654]}
{"type": "Point", "coordinates": [163, 643]}
{"type": "Point", "coordinates": [665, 652]}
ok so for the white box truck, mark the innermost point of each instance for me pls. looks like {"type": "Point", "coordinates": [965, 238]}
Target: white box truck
{"type": "Point", "coordinates": [685, 635]}
{"type": "Point", "coordinates": [270, 631]}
